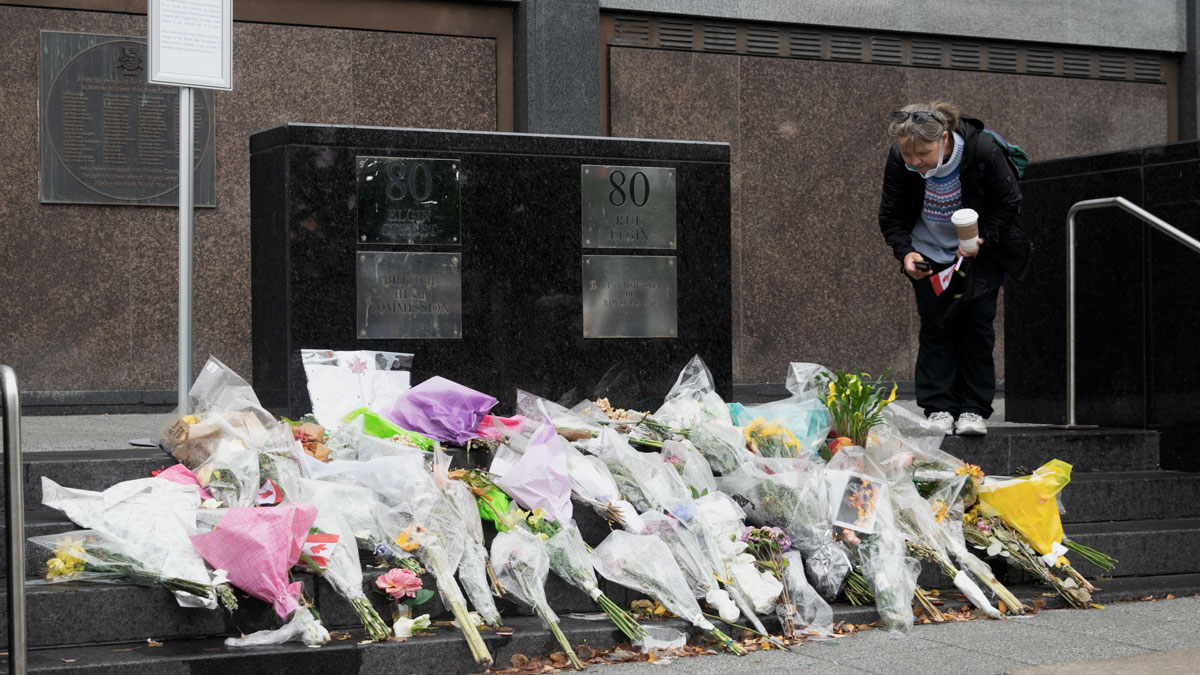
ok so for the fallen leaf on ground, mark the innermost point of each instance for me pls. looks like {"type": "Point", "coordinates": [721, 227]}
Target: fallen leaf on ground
{"type": "Point", "coordinates": [150, 642]}
{"type": "Point", "coordinates": [519, 660]}
{"type": "Point", "coordinates": [67, 660]}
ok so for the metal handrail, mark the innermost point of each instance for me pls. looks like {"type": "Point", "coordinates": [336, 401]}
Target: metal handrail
{"type": "Point", "coordinates": [14, 519]}
{"type": "Point", "coordinates": [1088, 204]}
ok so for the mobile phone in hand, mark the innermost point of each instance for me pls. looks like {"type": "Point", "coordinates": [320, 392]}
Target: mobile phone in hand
{"type": "Point", "coordinates": [922, 265]}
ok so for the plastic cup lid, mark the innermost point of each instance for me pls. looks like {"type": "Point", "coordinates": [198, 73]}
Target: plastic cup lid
{"type": "Point", "coordinates": [964, 217]}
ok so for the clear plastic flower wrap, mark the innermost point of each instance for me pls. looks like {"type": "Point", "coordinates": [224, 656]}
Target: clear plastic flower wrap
{"type": "Point", "coordinates": [522, 564]}
{"type": "Point", "coordinates": [803, 413]}
{"type": "Point", "coordinates": [645, 564]}
{"type": "Point", "coordinates": [343, 568]}
{"type": "Point", "coordinates": [570, 560]}
{"type": "Point", "coordinates": [684, 547]}
{"type": "Point", "coordinates": [722, 444]}
{"type": "Point", "coordinates": [153, 520]}
{"type": "Point", "coordinates": [691, 465]}
{"type": "Point", "coordinates": [95, 557]}
{"type": "Point", "coordinates": [363, 513]}
{"type": "Point", "coordinates": [790, 494]}
{"type": "Point", "coordinates": [693, 399]}
{"type": "Point", "coordinates": [810, 612]}
{"type": "Point", "coordinates": [570, 424]}
{"type": "Point", "coordinates": [859, 499]}
{"type": "Point", "coordinates": [644, 480]}
{"type": "Point", "coordinates": [224, 409]}
{"type": "Point", "coordinates": [473, 567]}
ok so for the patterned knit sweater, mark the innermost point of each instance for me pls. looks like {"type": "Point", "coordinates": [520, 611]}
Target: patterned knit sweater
{"type": "Point", "coordinates": [933, 236]}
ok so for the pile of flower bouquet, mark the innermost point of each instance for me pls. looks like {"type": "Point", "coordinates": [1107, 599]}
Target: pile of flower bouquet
{"type": "Point", "coordinates": [720, 513]}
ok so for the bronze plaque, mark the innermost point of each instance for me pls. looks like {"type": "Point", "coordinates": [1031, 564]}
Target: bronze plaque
{"type": "Point", "coordinates": [108, 136]}
{"type": "Point", "coordinates": [630, 296]}
{"type": "Point", "coordinates": [410, 296]}
{"type": "Point", "coordinates": [408, 200]}
{"type": "Point", "coordinates": [628, 206]}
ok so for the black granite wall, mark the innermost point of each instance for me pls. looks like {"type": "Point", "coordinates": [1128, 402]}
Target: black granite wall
{"type": "Point", "coordinates": [1138, 310]}
{"type": "Point", "coordinates": [521, 262]}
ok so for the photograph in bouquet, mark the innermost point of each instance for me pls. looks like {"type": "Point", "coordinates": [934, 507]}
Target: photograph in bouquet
{"type": "Point", "coordinates": [858, 495]}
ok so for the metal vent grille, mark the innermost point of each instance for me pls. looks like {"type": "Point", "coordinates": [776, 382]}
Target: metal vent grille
{"type": "Point", "coordinates": [675, 34]}
{"type": "Point", "coordinates": [632, 31]}
{"type": "Point", "coordinates": [804, 45]}
{"type": "Point", "coordinates": [887, 50]}
{"type": "Point", "coordinates": [845, 47]}
{"type": "Point", "coordinates": [762, 41]}
{"type": "Point", "coordinates": [1039, 61]}
{"type": "Point", "coordinates": [850, 45]}
{"type": "Point", "coordinates": [1077, 64]}
{"type": "Point", "coordinates": [926, 53]}
{"type": "Point", "coordinates": [720, 38]}
{"type": "Point", "coordinates": [1147, 68]}
{"type": "Point", "coordinates": [1114, 66]}
{"type": "Point", "coordinates": [1002, 58]}
{"type": "Point", "coordinates": [965, 56]}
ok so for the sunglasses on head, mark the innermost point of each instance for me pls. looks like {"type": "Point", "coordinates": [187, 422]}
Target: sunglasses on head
{"type": "Point", "coordinates": [900, 116]}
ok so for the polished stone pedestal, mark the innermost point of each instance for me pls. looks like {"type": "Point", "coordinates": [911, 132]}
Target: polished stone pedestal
{"type": "Point", "coordinates": [522, 256]}
{"type": "Point", "coordinates": [1138, 309]}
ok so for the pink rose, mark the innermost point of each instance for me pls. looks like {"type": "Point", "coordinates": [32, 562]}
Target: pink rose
{"type": "Point", "coordinates": [399, 584]}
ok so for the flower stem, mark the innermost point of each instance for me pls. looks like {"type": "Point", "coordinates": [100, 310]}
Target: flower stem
{"type": "Point", "coordinates": [727, 641]}
{"type": "Point", "coordinates": [627, 625]}
{"type": "Point", "coordinates": [562, 641]}
{"type": "Point", "coordinates": [370, 619]}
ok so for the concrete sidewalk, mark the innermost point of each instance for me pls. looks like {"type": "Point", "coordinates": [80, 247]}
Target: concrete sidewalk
{"type": "Point", "coordinates": [1135, 637]}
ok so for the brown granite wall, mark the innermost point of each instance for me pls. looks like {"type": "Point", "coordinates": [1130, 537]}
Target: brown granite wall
{"type": "Point", "coordinates": [813, 280]}
{"type": "Point", "coordinates": [88, 293]}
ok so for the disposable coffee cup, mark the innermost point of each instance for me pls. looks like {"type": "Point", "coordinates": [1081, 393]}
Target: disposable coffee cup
{"type": "Point", "coordinates": [966, 223]}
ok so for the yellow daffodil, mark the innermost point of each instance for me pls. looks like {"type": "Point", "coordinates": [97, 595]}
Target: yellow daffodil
{"type": "Point", "coordinates": [891, 397]}
{"type": "Point", "coordinates": [537, 516]}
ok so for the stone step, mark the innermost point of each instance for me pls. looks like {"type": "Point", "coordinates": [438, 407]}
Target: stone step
{"type": "Point", "coordinates": [86, 469]}
{"type": "Point", "coordinates": [1142, 547]}
{"type": "Point", "coordinates": [1131, 495]}
{"type": "Point", "coordinates": [446, 652]}
{"type": "Point", "coordinates": [1007, 451]}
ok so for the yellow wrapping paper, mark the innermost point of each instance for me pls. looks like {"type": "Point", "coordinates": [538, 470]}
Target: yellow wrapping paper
{"type": "Point", "coordinates": [1030, 504]}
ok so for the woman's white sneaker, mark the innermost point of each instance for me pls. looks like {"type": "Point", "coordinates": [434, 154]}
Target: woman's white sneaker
{"type": "Point", "coordinates": [943, 421]}
{"type": "Point", "coordinates": [970, 424]}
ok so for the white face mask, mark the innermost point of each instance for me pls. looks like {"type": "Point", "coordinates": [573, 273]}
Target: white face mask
{"type": "Point", "coordinates": [932, 172]}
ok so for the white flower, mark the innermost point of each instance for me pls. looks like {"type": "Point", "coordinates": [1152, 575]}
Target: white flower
{"type": "Point", "coordinates": [405, 627]}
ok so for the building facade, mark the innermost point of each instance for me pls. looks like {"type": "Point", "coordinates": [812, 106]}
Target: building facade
{"type": "Point", "coordinates": [800, 91]}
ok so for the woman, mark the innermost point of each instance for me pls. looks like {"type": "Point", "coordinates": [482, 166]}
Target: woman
{"type": "Point", "coordinates": [942, 162]}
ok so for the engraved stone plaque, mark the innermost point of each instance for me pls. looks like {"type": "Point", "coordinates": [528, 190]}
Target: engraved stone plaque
{"type": "Point", "coordinates": [408, 200]}
{"type": "Point", "coordinates": [628, 206]}
{"type": "Point", "coordinates": [107, 135]}
{"type": "Point", "coordinates": [626, 296]}
{"type": "Point", "coordinates": [410, 296]}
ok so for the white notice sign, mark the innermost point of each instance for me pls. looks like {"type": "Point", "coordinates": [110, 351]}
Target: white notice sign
{"type": "Point", "coordinates": [191, 43]}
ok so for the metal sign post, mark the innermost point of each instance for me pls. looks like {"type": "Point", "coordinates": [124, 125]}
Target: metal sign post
{"type": "Point", "coordinates": [191, 45]}
{"type": "Point", "coordinates": [185, 247]}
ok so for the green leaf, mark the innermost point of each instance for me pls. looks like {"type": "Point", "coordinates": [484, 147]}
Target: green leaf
{"type": "Point", "coordinates": [423, 596]}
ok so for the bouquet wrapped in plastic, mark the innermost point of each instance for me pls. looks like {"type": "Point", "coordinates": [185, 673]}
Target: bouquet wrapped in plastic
{"type": "Point", "coordinates": [693, 399]}
{"type": "Point", "coordinates": [570, 560]}
{"type": "Point", "coordinates": [95, 557]}
{"type": "Point", "coordinates": [522, 564]}
{"type": "Point", "coordinates": [644, 563]}
{"type": "Point", "coordinates": [257, 547]}
{"type": "Point", "coordinates": [442, 410]}
{"type": "Point", "coordinates": [539, 479]}
{"type": "Point", "coordinates": [474, 568]}
{"type": "Point", "coordinates": [693, 468]}
{"type": "Point", "coordinates": [342, 568]}
{"type": "Point", "coordinates": [151, 518]}
{"type": "Point", "coordinates": [339, 382]}
{"type": "Point", "coordinates": [644, 480]}
{"type": "Point", "coordinates": [806, 609]}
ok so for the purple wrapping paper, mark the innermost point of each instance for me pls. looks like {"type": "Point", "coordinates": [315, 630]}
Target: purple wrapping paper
{"type": "Point", "coordinates": [442, 410]}
{"type": "Point", "coordinates": [540, 478]}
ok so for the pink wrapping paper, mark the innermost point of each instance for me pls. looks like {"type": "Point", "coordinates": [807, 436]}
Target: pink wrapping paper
{"type": "Point", "coordinates": [256, 547]}
{"type": "Point", "coordinates": [179, 473]}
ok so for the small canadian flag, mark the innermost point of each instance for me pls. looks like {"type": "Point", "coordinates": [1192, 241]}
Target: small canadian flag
{"type": "Point", "coordinates": [941, 280]}
{"type": "Point", "coordinates": [269, 494]}
{"type": "Point", "coordinates": [319, 546]}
